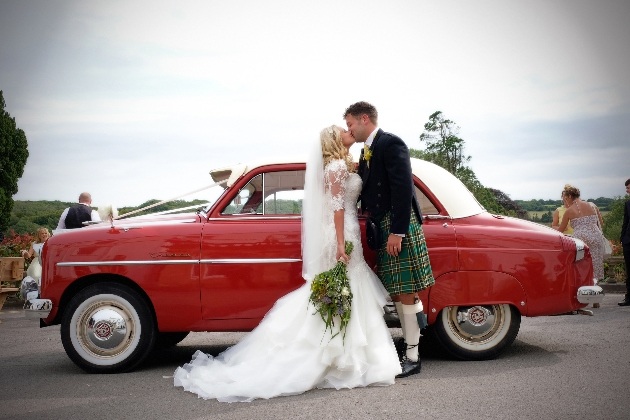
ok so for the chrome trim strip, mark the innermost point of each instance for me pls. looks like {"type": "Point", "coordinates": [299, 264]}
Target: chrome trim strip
{"type": "Point", "coordinates": [160, 262]}
{"type": "Point", "coordinates": [181, 262]}
{"type": "Point", "coordinates": [255, 216]}
{"type": "Point", "coordinates": [251, 261]}
{"type": "Point", "coordinates": [436, 217]}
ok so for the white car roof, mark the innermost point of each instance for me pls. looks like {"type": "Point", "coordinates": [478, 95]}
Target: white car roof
{"type": "Point", "coordinates": [458, 201]}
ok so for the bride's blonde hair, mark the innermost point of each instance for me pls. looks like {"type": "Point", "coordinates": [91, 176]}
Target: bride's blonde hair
{"type": "Point", "coordinates": [333, 149]}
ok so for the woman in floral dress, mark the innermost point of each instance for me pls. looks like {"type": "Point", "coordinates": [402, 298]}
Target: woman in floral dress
{"type": "Point", "coordinates": [586, 222]}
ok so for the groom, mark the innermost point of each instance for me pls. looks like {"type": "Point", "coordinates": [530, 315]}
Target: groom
{"type": "Point", "coordinates": [388, 197]}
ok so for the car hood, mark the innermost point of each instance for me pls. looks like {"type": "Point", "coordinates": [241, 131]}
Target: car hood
{"type": "Point", "coordinates": [129, 223]}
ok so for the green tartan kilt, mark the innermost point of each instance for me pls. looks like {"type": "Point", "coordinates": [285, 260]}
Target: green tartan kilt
{"type": "Point", "coordinates": [410, 271]}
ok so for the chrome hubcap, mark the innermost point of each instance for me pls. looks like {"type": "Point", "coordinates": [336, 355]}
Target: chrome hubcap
{"type": "Point", "coordinates": [476, 323]}
{"type": "Point", "coordinates": [105, 329]}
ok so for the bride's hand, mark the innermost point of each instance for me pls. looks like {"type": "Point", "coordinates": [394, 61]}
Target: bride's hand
{"type": "Point", "coordinates": [341, 254]}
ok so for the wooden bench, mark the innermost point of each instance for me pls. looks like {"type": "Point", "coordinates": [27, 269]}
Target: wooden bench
{"type": "Point", "coordinates": [11, 274]}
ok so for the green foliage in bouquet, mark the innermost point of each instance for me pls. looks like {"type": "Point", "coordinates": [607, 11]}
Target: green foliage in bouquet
{"type": "Point", "coordinates": [331, 296]}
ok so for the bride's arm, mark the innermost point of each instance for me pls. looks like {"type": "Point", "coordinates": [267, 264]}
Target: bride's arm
{"type": "Point", "coordinates": [336, 176]}
{"type": "Point", "coordinates": [341, 243]}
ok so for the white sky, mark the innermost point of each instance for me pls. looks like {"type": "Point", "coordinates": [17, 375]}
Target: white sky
{"type": "Point", "coordinates": [133, 100]}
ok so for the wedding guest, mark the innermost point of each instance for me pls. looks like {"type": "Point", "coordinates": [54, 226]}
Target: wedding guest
{"type": "Point", "coordinates": [559, 212]}
{"type": "Point", "coordinates": [35, 251]}
{"type": "Point", "coordinates": [625, 243]}
{"type": "Point", "coordinates": [585, 221]}
{"type": "Point", "coordinates": [74, 216]}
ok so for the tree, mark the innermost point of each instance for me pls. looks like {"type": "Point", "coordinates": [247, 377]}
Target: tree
{"type": "Point", "coordinates": [13, 156]}
{"type": "Point", "coordinates": [508, 204]}
{"type": "Point", "coordinates": [546, 217]}
{"type": "Point", "coordinates": [445, 148]}
{"type": "Point", "coordinates": [614, 219]}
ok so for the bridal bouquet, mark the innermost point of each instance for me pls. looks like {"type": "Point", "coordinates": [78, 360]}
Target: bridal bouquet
{"type": "Point", "coordinates": [331, 296]}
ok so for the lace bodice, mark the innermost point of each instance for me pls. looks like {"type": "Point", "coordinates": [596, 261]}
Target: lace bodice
{"type": "Point", "coordinates": [342, 188]}
{"type": "Point", "coordinates": [342, 191]}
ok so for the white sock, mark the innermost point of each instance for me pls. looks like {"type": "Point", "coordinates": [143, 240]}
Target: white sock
{"type": "Point", "coordinates": [399, 310]}
{"type": "Point", "coordinates": [411, 329]}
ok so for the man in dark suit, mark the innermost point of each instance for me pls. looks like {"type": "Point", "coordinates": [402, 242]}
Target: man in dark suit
{"type": "Point", "coordinates": [389, 198]}
{"type": "Point", "coordinates": [625, 243]}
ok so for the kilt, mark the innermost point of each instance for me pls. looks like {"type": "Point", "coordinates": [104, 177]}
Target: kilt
{"type": "Point", "coordinates": [410, 271]}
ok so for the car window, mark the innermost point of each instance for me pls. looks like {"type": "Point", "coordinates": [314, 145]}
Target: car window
{"type": "Point", "coordinates": [270, 193]}
{"type": "Point", "coordinates": [426, 206]}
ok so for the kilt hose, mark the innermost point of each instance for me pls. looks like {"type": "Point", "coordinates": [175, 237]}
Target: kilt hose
{"type": "Point", "coordinates": [410, 271]}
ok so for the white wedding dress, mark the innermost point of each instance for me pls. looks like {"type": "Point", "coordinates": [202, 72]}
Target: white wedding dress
{"type": "Point", "coordinates": [35, 268]}
{"type": "Point", "coordinates": [289, 352]}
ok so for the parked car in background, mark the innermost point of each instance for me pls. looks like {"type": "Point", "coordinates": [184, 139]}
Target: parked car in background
{"type": "Point", "coordinates": [120, 289]}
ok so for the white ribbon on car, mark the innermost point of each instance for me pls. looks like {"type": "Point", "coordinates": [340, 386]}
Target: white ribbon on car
{"type": "Point", "coordinates": [170, 199]}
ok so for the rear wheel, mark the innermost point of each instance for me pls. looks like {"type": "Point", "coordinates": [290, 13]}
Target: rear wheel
{"type": "Point", "coordinates": [107, 329]}
{"type": "Point", "coordinates": [476, 332]}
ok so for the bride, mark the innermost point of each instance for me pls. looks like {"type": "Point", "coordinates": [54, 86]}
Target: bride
{"type": "Point", "coordinates": [35, 268]}
{"type": "Point", "coordinates": [291, 351]}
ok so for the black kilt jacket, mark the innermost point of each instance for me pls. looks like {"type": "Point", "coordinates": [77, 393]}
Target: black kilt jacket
{"type": "Point", "coordinates": [388, 182]}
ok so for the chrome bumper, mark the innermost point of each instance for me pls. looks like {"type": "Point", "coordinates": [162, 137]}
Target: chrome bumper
{"type": "Point", "coordinates": [37, 308]}
{"type": "Point", "coordinates": [590, 294]}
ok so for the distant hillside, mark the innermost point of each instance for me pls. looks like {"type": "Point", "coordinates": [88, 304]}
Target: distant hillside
{"type": "Point", "coordinates": [27, 216]}
{"type": "Point", "coordinates": [550, 205]}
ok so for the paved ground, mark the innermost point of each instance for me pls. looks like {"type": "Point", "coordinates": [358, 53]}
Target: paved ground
{"type": "Point", "coordinates": [565, 367]}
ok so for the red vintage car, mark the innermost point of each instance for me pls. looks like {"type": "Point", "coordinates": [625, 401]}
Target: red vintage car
{"type": "Point", "coordinates": [120, 289]}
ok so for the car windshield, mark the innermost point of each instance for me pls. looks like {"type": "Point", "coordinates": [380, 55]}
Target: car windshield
{"type": "Point", "coordinates": [223, 178]}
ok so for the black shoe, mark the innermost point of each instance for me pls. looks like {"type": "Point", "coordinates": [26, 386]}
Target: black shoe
{"type": "Point", "coordinates": [409, 367]}
{"type": "Point", "coordinates": [625, 302]}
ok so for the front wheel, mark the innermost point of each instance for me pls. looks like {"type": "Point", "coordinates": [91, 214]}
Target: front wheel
{"type": "Point", "coordinates": [476, 332]}
{"type": "Point", "coordinates": [107, 329]}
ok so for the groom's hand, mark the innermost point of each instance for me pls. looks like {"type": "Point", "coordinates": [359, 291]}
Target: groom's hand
{"type": "Point", "coordinates": [394, 244]}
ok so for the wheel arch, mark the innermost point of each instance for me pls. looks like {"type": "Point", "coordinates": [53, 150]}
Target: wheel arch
{"type": "Point", "coordinates": [475, 288]}
{"type": "Point", "coordinates": [89, 280]}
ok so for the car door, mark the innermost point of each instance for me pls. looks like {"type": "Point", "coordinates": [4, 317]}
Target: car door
{"type": "Point", "coordinates": [439, 233]}
{"type": "Point", "coordinates": [251, 248]}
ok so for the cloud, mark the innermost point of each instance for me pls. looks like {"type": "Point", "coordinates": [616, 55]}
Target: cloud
{"type": "Point", "coordinates": [143, 98]}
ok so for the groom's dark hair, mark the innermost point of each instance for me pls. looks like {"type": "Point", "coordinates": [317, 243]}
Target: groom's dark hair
{"type": "Point", "coordinates": [360, 108]}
